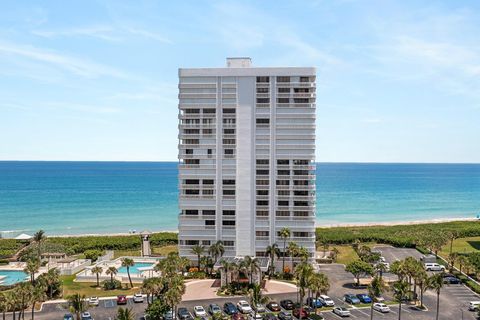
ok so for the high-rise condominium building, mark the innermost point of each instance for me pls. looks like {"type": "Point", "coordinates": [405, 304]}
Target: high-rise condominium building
{"type": "Point", "coordinates": [246, 152]}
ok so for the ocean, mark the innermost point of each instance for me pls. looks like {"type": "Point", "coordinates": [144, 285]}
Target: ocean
{"type": "Point", "coordinates": [118, 197]}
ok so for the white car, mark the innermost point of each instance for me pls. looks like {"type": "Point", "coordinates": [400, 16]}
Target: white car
{"type": "Point", "coordinates": [326, 300]}
{"type": "Point", "coordinates": [341, 311]}
{"type": "Point", "coordinates": [257, 316]}
{"type": "Point", "coordinates": [382, 259]}
{"type": "Point", "coordinates": [434, 267]}
{"type": "Point", "coordinates": [199, 311]}
{"type": "Point", "coordinates": [473, 305]}
{"type": "Point", "coordinates": [259, 308]}
{"type": "Point", "coordinates": [137, 297]}
{"type": "Point", "coordinates": [244, 307]}
{"type": "Point", "coordinates": [93, 301]}
{"type": "Point", "coordinates": [86, 316]}
{"type": "Point", "coordinates": [381, 307]}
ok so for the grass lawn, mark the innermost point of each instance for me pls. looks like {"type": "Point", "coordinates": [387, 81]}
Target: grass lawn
{"type": "Point", "coordinates": [126, 253]}
{"type": "Point", "coordinates": [165, 250]}
{"type": "Point", "coordinates": [346, 254]}
{"type": "Point", "coordinates": [462, 245]}
{"type": "Point", "coordinates": [89, 289]}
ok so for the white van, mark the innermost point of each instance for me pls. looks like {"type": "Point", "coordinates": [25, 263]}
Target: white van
{"type": "Point", "coordinates": [473, 305]}
{"type": "Point", "coordinates": [434, 267]}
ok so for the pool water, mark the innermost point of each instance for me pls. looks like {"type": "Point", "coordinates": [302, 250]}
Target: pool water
{"type": "Point", "coordinates": [11, 277]}
{"type": "Point", "coordinates": [134, 269]}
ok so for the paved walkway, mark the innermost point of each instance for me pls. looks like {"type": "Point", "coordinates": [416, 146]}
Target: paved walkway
{"type": "Point", "coordinates": [204, 289]}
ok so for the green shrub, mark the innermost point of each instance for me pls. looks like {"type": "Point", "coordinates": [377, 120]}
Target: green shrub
{"type": "Point", "coordinates": [111, 285]}
{"type": "Point", "coordinates": [92, 254]}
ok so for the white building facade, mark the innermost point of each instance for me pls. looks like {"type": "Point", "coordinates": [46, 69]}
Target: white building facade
{"type": "Point", "coordinates": [246, 157]}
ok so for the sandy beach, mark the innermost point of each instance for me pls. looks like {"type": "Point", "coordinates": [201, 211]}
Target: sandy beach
{"type": "Point", "coordinates": [393, 223]}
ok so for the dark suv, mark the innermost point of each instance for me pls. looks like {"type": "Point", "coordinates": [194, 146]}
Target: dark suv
{"type": "Point", "coordinates": [287, 304]}
{"type": "Point", "coordinates": [229, 308]}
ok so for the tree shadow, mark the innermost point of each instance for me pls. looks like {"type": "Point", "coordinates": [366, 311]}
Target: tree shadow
{"type": "Point", "coordinates": [474, 244]}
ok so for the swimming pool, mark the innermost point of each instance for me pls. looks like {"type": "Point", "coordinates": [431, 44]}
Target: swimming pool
{"type": "Point", "coordinates": [134, 268]}
{"type": "Point", "coordinates": [11, 277]}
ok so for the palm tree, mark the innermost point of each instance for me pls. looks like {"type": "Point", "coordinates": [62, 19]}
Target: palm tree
{"type": "Point", "coordinates": [293, 250]}
{"type": "Point", "coordinates": [256, 298]}
{"type": "Point", "coordinates": [375, 290]}
{"type": "Point", "coordinates": [435, 282]}
{"type": "Point", "coordinates": [251, 265]}
{"type": "Point", "coordinates": [51, 278]}
{"type": "Point", "coordinates": [39, 237]}
{"type": "Point", "coordinates": [22, 294]}
{"type": "Point", "coordinates": [38, 295]}
{"type": "Point", "coordinates": [422, 281]}
{"type": "Point", "coordinates": [125, 314]}
{"type": "Point", "coordinates": [3, 305]}
{"type": "Point", "coordinates": [97, 270]}
{"type": "Point", "coordinates": [176, 288]}
{"type": "Point", "coordinates": [303, 273]}
{"type": "Point", "coordinates": [112, 271]}
{"type": "Point", "coordinates": [198, 250]}
{"type": "Point", "coordinates": [380, 268]}
{"type": "Point", "coordinates": [205, 263]}
{"type": "Point", "coordinates": [152, 287]}
{"type": "Point", "coordinates": [284, 234]}
{"type": "Point", "coordinates": [228, 268]}
{"type": "Point", "coordinates": [401, 289]}
{"type": "Point", "coordinates": [77, 304]}
{"type": "Point", "coordinates": [272, 251]}
{"type": "Point", "coordinates": [318, 284]}
{"type": "Point", "coordinates": [127, 263]}
{"type": "Point", "coordinates": [33, 265]}
{"type": "Point", "coordinates": [216, 250]}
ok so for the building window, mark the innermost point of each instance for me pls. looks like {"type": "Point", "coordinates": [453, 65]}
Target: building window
{"type": "Point", "coordinates": [191, 181]}
{"type": "Point", "coordinates": [301, 234]}
{"type": "Point", "coordinates": [301, 100]}
{"type": "Point", "coordinates": [263, 121]}
{"type": "Point", "coordinates": [191, 131]}
{"type": "Point", "coordinates": [283, 192]}
{"type": "Point", "coordinates": [262, 183]}
{"type": "Point", "coordinates": [262, 213]}
{"type": "Point", "coordinates": [209, 111]}
{"type": "Point", "coordinates": [300, 182]}
{"type": "Point", "coordinates": [263, 161]}
{"type": "Point", "coordinates": [229, 110]}
{"type": "Point", "coordinates": [208, 212]}
{"type": "Point", "coordinates": [228, 151]}
{"type": "Point", "coordinates": [300, 203]}
{"type": "Point", "coordinates": [283, 161]}
{"type": "Point", "coordinates": [228, 222]}
{"type": "Point", "coordinates": [191, 161]}
{"type": "Point", "coordinates": [263, 100]}
{"type": "Point", "coordinates": [283, 100]}
{"type": "Point", "coordinates": [228, 131]}
{"type": "Point", "coordinates": [207, 131]}
{"type": "Point", "coordinates": [282, 213]}
{"type": "Point", "coordinates": [302, 193]}
{"type": "Point", "coordinates": [188, 151]}
{"type": "Point", "coordinates": [191, 141]}
{"type": "Point", "coordinates": [229, 182]}
{"type": "Point", "coordinates": [192, 191]}
{"type": "Point", "coordinates": [228, 141]}
{"type": "Point", "coordinates": [262, 172]}
{"type": "Point", "coordinates": [192, 111]}
{"type": "Point", "coordinates": [283, 90]}
{"type": "Point", "coordinates": [209, 182]}
{"type": "Point", "coordinates": [209, 152]}
{"type": "Point", "coordinates": [229, 121]}
{"type": "Point", "coordinates": [262, 192]}
{"type": "Point", "coordinates": [228, 243]}
{"type": "Point", "coordinates": [283, 79]}
{"type": "Point", "coordinates": [283, 182]}
{"type": "Point", "coordinates": [191, 212]}
{"type": "Point", "coordinates": [263, 79]}
{"type": "Point", "coordinates": [262, 233]}
{"type": "Point", "coordinates": [191, 242]}
{"type": "Point", "coordinates": [301, 213]}
{"type": "Point", "coordinates": [262, 202]}
{"type": "Point", "coordinates": [209, 222]}
{"type": "Point", "coordinates": [262, 90]}
{"type": "Point", "coordinates": [283, 172]}
{"type": "Point", "coordinates": [283, 203]}
{"type": "Point", "coordinates": [228, 192]}
{"type": "Point", "coordinates": [207, 192]}
{"type": "Point", "coordinates": [304, 79]}
{"type": "Point", "coordinates": [260, 254]}
{"type": "Point", "coordinates": [206, 242]}
{"type": "Point", "coordinates": [228, 212]}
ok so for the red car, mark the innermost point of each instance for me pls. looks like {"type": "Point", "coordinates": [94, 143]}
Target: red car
{"type": "Point", "coordinates": [300, 313]}
{"type": "Point", "coordinates": [121, 300]}
{"type": "Point", "coordinates": [238, 316]}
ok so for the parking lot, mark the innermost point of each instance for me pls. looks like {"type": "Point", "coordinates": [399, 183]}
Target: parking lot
{"type": "Point", "coordinates": [454, 299]}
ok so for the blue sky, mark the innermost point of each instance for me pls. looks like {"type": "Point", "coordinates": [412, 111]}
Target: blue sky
{"type": "Point", "coordinates": [398, 81]}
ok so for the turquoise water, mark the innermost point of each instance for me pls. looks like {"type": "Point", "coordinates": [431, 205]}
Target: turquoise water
{"type": "Point", "coordinates": [134, 268]}
{"type": "Point", "coordinates": [101, 197]}
{"type": "Point", "coordinates": [12, 277]}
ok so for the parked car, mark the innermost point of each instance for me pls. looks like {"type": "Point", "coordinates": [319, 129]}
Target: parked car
{"type": "Point", "coordinates": [381, 307]}
{"type": "Point", "coordinates": [229, 308]}
{"type": "Point", "coordinates": [93, 301]}
{"type": "Point", "coordinates": [364, 298]}
{"type": "Point", "coordinates": [255, 316]}
{"type": "Point", "coordinates": [351, 298]}
{"type": "Point", "coordinates": [326, 300]}
{"type": "Point", "coordinates": [300, 313]}
{"type": "Point", "coordinates": [308, 309]}
{"type": "Point", "coordinates": [282, 315]}
{"type": "Point", "coordinates": [213, 309]}
{"type": "Point", "coordinates": [259, 308]}
{"type": "Point", "coordinates": [434, 267]}
{"type": "Point", "coordinates": [474, 305]}
{"type": "Point", "coordinates": [86, 316]}
{"type": "Point", "coordinates": [287, 304]}
{"type": "Point", "coordinates": [451, 280]}
{"type": "Point", "coordinates": [121, 300]}
{"type": "Point", "coordinates": [269, 316]}
{"type": "Point", "coordinates": [68, 316]}
{"type": "Point", "coordinates": [138, 298]}
{"type": "Point", "coordinates": [199, 311]}
{"type": "Point", "coordinates": [168, 315]}
{"type": "Point", "coordinates": [314, 303]}
{"type": "Point", "coordinates": [273, 306]}
{"type": "Point", "coordinates": [341, 311]}
{"type": "Point", "coordinates": [184, 314]}
{"type": "Point", "coordinates": [238, 316]}
{"type": "Point", "coordinates": [244, 307]}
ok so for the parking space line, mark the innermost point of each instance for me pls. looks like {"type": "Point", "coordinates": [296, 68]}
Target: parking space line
{"type": "Point", "coordinates": [366, 314]}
